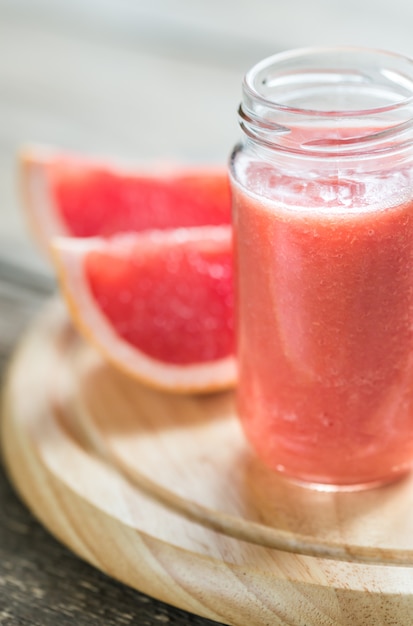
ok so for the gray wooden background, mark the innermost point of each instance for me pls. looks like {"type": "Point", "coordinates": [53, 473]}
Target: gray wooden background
{"type": "Point", "coordinates": [143, 80]}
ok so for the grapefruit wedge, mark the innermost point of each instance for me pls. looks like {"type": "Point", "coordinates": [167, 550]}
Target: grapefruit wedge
{"type": "Point", "coordinates": [158, 304]}
{"type": "Point", "coordinates": [69, 195]}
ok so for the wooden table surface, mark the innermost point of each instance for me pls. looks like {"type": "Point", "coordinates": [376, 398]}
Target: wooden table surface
{"type": "Point", "coordinates": [143, 81]}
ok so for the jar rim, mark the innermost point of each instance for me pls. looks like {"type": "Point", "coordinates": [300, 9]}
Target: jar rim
{"type": "Point", "coordinates": [252, 77]}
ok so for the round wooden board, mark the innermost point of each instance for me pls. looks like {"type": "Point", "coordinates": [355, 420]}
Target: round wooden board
{"type": "Point", "coordinates": [163, 493]}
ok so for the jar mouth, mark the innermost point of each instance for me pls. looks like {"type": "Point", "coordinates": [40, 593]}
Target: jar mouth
{"type": "Point", "coordinates": [323, 101]}
{"type": "Point", "coordinates": [384, 79]}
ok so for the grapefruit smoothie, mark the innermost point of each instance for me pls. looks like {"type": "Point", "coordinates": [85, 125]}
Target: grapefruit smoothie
{"type": "Point", "coordinates": [326, 336]}
{"type": "Point", "coordinates": [324, 265]}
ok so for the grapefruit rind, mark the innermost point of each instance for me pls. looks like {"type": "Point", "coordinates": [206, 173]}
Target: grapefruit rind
{"type": "Point", "coordinates": [206, 377]}
{"type": "Point", "coordinates": [42, 216]}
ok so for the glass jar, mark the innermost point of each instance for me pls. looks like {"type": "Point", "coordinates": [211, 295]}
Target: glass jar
{"type": "Point", "coordinates": [322, 189]}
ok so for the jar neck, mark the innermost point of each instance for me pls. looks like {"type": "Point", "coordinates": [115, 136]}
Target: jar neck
{"type": "Point", "coordinates": [330, 103]}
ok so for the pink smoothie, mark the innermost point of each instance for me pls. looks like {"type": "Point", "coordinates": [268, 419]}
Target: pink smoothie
{"type": "Point", "coordinates": [325, 335]}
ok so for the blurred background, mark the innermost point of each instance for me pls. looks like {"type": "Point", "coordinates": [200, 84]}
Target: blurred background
{"type": "Point", "coordinates": [151, 79]}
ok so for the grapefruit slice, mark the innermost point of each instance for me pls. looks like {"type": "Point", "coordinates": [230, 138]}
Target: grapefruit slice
{"type": "Point", "coordinates": [158, 304]}
{"type": "Point", "coordinates": [69, 195]}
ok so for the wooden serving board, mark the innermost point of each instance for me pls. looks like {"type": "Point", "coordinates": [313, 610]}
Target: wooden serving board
{"type": "Point", "coordinates": [162, 492]}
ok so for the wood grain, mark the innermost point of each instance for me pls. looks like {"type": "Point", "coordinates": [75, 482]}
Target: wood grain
{"type": "Point", "coordinates": [194, 451]}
